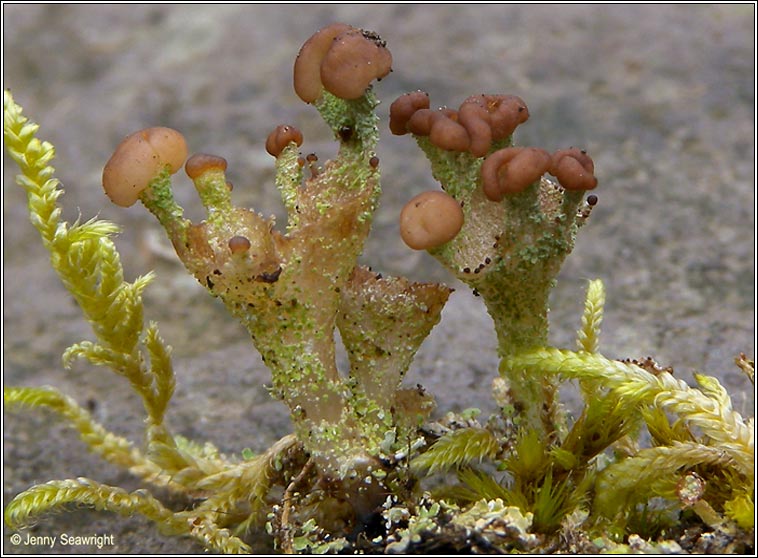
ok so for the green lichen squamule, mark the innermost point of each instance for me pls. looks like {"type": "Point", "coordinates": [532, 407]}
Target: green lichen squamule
{"type": "Point", "coordinates": [363, 442]}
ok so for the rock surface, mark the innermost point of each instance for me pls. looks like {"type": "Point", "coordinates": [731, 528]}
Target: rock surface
{"type": "Point", "coordinates": [661, 96]}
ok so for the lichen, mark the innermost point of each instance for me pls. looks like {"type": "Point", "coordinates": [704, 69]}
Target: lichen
{"type": "Point", "coordinates": [645, 451]}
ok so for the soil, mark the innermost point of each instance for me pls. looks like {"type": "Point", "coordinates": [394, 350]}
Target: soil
{"type": "Point", "coordinates": [662, 96]}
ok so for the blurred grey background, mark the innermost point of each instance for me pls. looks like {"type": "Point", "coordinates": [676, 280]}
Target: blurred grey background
{"type": "Point", "coordinates": [662, 96]}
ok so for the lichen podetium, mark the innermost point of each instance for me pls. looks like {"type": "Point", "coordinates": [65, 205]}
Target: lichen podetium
{"type": "Point", "coordinates": [352, 475]}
